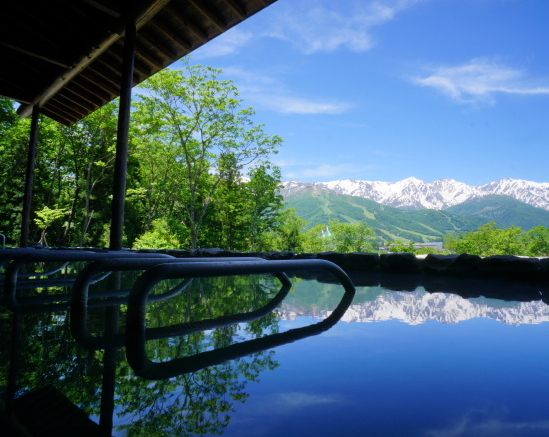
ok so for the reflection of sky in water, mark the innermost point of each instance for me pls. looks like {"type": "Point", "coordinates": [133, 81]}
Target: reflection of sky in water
{"type": "Point", "coordinates": [479, 377]}
{"type": "Point", "coordinates": [476, 378]}
{"type": "Point", "coordinates": [483, 372]}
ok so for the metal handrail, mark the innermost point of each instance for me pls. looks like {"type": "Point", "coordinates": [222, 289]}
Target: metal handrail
{"type": "Point", "coordinates": [135, 322]}
{"type": "Point", "coordinates": [81, 295]}
{"type": "Point", "coordinates": [12, 253]}
{"type": "Point", "coordinates": [12, 272]}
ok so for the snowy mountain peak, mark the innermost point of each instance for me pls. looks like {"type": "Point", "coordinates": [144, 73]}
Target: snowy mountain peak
{"type": "Point", "coordinates": [413, 193]}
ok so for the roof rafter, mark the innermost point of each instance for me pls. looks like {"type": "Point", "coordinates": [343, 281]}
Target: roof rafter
{"type": "Point", "coordinates": [72, 49]}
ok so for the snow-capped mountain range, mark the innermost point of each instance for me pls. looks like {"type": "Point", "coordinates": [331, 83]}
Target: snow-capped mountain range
{"type": "Point", "coordinates": [417, 308]}
{"type": "Point", "coordinates": [413, 193]}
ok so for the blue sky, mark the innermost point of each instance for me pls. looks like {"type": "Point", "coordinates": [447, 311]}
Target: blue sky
{"type": "Point", "coordinates": [388, 89]}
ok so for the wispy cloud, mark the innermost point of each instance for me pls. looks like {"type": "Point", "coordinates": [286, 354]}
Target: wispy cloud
{"type": "Point", "coordinates": [490, 427]}
{"type": "Point", "coordinates": [288, 402]}
{"type": "Point", "coordinates": [266, 91]}
{"type": "Point", "coordinates": [315, 26]}
{"type": "Point", "coordinates": [297, 105]}
{"type": "Point", "coordinates": [479, 80]}
{"type": "Point", "coordinates": [228, 43]}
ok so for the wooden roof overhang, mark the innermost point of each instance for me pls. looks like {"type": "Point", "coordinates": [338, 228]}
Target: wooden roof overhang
{"type": "Point", "coordinates": [65, 56]}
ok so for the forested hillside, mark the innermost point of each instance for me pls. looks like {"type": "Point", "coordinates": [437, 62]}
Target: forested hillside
{"type": "Point", "coordinates": [319, 206]}
{"type": "Point", "coordinates": [504, 211]}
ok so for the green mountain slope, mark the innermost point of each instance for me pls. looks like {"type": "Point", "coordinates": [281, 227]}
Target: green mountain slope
{"type": "Point", "coordinates": [503, 210]}
{"type": "Point", "coordinates": [319, 206]}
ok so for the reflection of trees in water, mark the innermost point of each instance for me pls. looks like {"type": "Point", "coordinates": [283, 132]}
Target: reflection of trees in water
{"type": "Point", "coordinates": [48, 356]}
{"type": "Point", "coordinates": [200, 402]}
{"type": "Point", "coordinates": [196, 403]}
{"type": "Point", "coordinates": [192, 404]}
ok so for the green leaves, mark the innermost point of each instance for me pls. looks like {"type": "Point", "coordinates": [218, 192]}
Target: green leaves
{"type": "Point", "coordinates": [193, 137]}
{"type": "Point", "coordinates": [487, 240]}
{"type": "Point", "coordinates": [46, 216]}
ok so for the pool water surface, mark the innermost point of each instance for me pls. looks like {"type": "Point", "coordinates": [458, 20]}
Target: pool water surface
{"type": "Point", "coordinates": [411, 363]}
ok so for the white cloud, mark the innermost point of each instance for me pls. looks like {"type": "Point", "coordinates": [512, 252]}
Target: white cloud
{"type": "Point", "coordinates": [478, 81]}
{"type": "Point", "coordinates": [227, 43]}
{"type": "Point", "coordinates": [288, 402]}
{"type": "Point", "coordinates": [265, 91]}
{"type": "Point", "coordinates": [297, 105]}
{"type": "Point", "coordinates": [315, 26]}
{"type": "Point", "coordinates": [490, 427]}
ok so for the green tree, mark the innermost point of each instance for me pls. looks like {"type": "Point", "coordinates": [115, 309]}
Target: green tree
{"type": "Point", "coordinates": [400, 247]}
{"type": "Point", "coordinates": [288, 235]}
{"type": "Point", "coordinates": [45, 218]}
{"type": "Point", "coordinates": [536, 241]}
{"type": "Point", "coordinates": [316, 239]}
{"type": "Point", "coordinates": [89, 147]}
{"type": "Point", "coordinates": [487, 240]}
{"type": "Point", "coordinates": [347, 237]}
{"type": "Point", "coordinates": [265, 203]}
{"type": "Point", "coordinates": [14, 139]}
{"type": "Point", "coordinates": [198, 118]}
{"type": "Point", "coordinates": [159, 237]}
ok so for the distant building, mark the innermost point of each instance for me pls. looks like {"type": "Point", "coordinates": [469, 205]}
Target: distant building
{"type": "Point", "coordinates": [437, 245]}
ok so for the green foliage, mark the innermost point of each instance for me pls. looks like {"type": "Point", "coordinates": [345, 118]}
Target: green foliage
{"type": "Point", "coordinates": [401, 247]}
{"type": "Point", "coordinates": [44, 219]}
{"type": "Point", "coordinates": [316, 239]}
{"type": "Point", "coordinates": [351, 238]}
{"type": "Point", "coordinates": [191, 144]}
{"type": "Point", "coordinates": [195, 139]}
{"type": "Point", "coordinates": [536, 241]}
{"type": "Point", "coordinates": [487, 240]}
{"type": "Point", "coordinates": [159, 237]}
{"type": "Point", "coordinates": [341, 237]}
{"type": "Point", "coordinates": [288, 235]}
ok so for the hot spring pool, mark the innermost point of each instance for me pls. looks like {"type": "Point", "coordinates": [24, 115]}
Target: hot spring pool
{"type": "Point", "coordinates": [397, 363]}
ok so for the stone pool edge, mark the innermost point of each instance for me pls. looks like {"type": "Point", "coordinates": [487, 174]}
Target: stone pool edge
{"type": "Point", "coordinates": [498, 266]}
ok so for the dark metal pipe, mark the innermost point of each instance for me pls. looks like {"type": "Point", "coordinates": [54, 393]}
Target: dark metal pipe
{"type": "Point", "coordinates": [136, 315]}
{"type": "Point", "coordinates": [29, 179]}
{"type": "Point", "coordinates": [120, 165]}
{"type": "Point", "coordinates": [12, 273]}
{"type": "Point", "coordinates": [80, 296]}
{"type": "Point", "coordinates": [135, 322]}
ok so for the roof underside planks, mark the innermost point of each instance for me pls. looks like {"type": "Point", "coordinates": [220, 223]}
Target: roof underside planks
{"type": "Point", "coordinates": [66, 55]}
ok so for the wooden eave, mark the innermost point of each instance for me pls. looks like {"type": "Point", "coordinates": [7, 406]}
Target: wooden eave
{"type": "Point", "coordinates": [65, 56]}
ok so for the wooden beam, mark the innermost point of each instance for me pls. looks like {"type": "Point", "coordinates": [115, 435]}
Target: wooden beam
{"type": "Point", "coordinates": [209, 14]}
{"type": "Point", "coordinates": [103, 8]}
{"type": "Point", "coordinates": [147, 10]}
{"type": "Point", "coordinates": [172, 37]}
{"type": "Point", "coordinates": [49, 58]}
{"type": "Point", "coordinates": [236, 8]}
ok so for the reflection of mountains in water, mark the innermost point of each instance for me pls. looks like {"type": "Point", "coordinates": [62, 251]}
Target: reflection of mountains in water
{"type": "Point", "coordinates": [419, 307]}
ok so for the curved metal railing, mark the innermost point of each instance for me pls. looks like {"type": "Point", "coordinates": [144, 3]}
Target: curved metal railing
{"type": "Point", "coordinates": [81, 295]}
{"type": "Point", "coordinates": [135, 323]}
